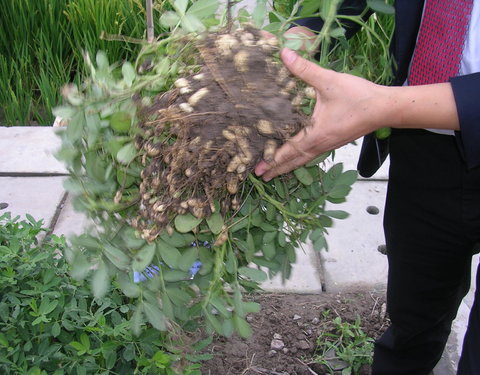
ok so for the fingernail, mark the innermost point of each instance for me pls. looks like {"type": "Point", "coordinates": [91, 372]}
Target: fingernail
{"type": "Point", "coordinates": [288, 56]}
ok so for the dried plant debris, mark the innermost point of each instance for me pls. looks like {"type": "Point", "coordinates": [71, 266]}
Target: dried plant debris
{"type": "Point", "coordinates": [202, 138]}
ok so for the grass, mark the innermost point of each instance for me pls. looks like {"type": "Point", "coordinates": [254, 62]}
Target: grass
{"type": "Point", "coordinates": [41, 45]}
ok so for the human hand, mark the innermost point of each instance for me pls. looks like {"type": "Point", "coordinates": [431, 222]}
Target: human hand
{"type": "Point", "coordinates": [345, 110]}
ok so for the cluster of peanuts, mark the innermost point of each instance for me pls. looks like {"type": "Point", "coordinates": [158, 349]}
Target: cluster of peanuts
{"type": "Point", "coordinates": [202, 138]}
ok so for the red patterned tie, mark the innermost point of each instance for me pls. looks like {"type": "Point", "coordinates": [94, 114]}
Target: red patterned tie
{"type": "Point", "coordinates": [440, 41]}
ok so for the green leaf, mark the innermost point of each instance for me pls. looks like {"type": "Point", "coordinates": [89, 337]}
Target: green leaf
{"type": "Point", "coordinates": [117, 257]}
{"type": "Point", "coordinates": [347, 178]}
{"type": "Point", "coordinates": [339, 191]}
{"type": "Point", "coordinates": [129, 353]}
{"type": "Point", "coordinates": [185, 223]}
{"type": "Point", "coordinates": [78, 347]}
{"type": "Point", "coordinates": [259, 13]}
{"type": "Point", "coordinates": [203, 8]}
{"type": "Point", "coordinates": [280, 188]}
{"type": "Point", "coordinates": [316, 234]}
{"type": "Point", "coordinates": [65, 112]}
{"type": "Point", "coordinates": [192, 24]}
{"type": "Point", "coordinates": [381, 6]}
{"type": "Point", "coordinates": [251, 307]}
{"type": "Point", "coordinates": [219, 305]}
{"type": "Point", "coordinates": [137, 320]}
{"type": "Point", "coordinates": [127, 153]}
{"type": "Point", "coordinates": [143, 258]}
{"type": "Point", "coordinates": [383, 133]}
{"type": "Point", "coordinates": [309, 7]}
{"type": "Point", "coordinates": [169, 19]}
{"type": "Point", "coordinates": [169, 254]}
{"type": "Point", "coordinates": [269, 250]}
{"type": "Point", "coordinates": [121, 122]}
{"type": "Point", "coordinates": [337, 32]}
{"type": "Point", "coordinates": [93, 127]}
{"type": "Point", "coordinates": [124, 180]}
{"type": "Point", "coordinates": [254, 274]}
{"type": "Point", "coordinates": [320, 244]}
{"type": "Point", "coordinates": [178, 296]}
{"type": "Point", "coordinates": [177, 240]}
{"type": "Point", "coordinates": [242, 327]}
{"type": "Point", "coordinates": [80, 266]}
{"type": "Point", "coordinates": [128, 73]}
{"type": "Point", "coordinates": [318, 160]}
{"type": "Point", "coordinates": [47, 306]}
{"type": "Point", "coordinates": [129, 288]}
{"type": "Point", "coordinates": [3, 340]}
{"type": "Point", "coordinates": [187, 259]}
{"type": "Point", "coordinates": [85, 341]}
{"type": "Point", "coordinates": [110, 359]}
{"type": "Point", "coordinates": [215, 223]}
{"type": "Point", "coordinates": [337, 214]}
{"type": "Point", "coordinates": [180, 6]}
{"type": "Point", "coordinates": [294, 43]}
{"type": "Point", "coordinates": [273, 27]}
{"type": "Point", "coordinates": [155, 316]}
{"type": "Point", "coordinates": [214, 322]}
{"type": "Point", "coordinates": [100, 281]}
{"type": "Point", "coordinates": [175, 275]}
{"type": "Point", "coordinates": [75, 127]}
{"type": "Point", "coordinates": [231, 262]}
{"type": "Point", "coordinates": [167, 306]}
{"type": "Point", "coordinates": [303, 176]}
{"type": "Point", "coordinates": [102, 60]}
{"type": "Point", "coordinates": [269, 237]}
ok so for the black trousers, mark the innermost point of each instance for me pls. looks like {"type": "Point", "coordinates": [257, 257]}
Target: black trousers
{"type": "Point", "coordinates": [432, 223]}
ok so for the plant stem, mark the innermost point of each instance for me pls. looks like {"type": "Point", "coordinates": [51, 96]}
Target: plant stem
{"type": "Point", "coordinates": [150, 33]}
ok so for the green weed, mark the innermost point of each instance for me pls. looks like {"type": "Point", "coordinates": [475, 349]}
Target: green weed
{"type": "Point", "coordinates": [343, 346]}
{"type": "Point", "coordinates": [50, 323]}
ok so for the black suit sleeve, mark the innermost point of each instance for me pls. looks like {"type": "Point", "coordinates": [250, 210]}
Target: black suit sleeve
{"type": "Point", "coordinates": [466, 90]}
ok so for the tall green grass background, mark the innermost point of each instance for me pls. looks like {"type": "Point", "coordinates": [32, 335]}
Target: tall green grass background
{"type": "Point", "coordinates": [42, 44]}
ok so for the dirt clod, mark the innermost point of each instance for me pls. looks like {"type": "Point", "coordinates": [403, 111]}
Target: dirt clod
{"type": "Point", "coordinates": [205, 135]}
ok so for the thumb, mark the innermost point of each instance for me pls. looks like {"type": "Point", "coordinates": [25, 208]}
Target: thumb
{"type": "Point", "coordinates": [303, 69]}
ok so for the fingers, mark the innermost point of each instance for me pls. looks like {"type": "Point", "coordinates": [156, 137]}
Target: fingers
{"type": "Point", "coordinates": [303, 69]}
{"type": "Point", "coordinates": [287, 158]}
{"type": "Point", "coordinates": [267, 34]}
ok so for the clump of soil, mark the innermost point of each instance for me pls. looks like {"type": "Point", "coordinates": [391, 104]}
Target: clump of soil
{"type": "Point", "coordinates": [296, 320]}
{"type": "Point", "coordinates": [205, 136]}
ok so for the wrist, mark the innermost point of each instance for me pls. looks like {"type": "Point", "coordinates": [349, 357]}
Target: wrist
{"type": "Point", "coordinates": [426, 106]}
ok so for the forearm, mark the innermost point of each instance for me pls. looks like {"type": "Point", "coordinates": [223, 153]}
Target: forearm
{"type": "Point", "coordinates": [427, 106]}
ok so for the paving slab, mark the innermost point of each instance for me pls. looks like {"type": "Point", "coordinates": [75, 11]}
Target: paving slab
{"type": "Point", "coordinates": [29, 149]}
{"type": "Point", "coordinates": [349, 154]}
{"type": "Point", "coordinates": [37, 196]}
{"type": "Point", "coordinates": [71, 222]}
{"type": "Point", "coordinates": [353, 260]}
{"type": "Point", "coordinates": [306, 274]}
{"type": "Point", "coordinates": [459, 325]}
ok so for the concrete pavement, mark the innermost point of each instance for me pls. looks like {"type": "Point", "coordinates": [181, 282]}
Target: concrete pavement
{"type": "Point", "coordinates": [31, 181]}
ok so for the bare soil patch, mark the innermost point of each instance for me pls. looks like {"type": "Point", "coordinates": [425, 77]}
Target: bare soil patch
{"type": "Point", "coordinates": [297, 320]}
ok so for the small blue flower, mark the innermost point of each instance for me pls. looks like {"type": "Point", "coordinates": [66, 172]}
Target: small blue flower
{"type": "Point", "coordinates": [152, 270]}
